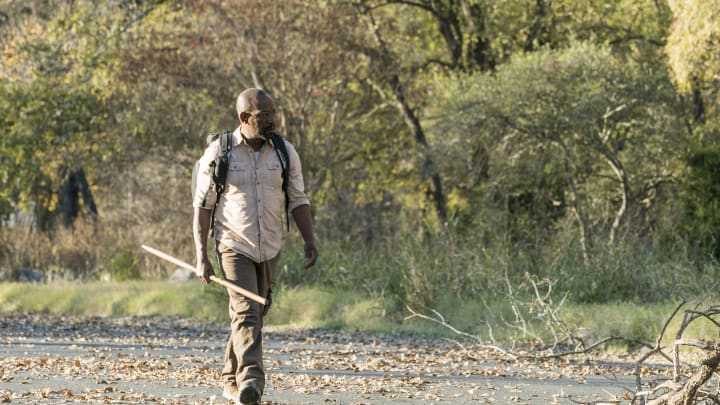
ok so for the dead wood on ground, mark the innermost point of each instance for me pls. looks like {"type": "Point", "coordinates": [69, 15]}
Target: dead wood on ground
{"type": "Point", "coordinates": [690, 382]}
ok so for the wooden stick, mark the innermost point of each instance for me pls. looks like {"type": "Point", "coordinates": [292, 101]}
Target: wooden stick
{"type": "Point", "coordinates": [230, 286]}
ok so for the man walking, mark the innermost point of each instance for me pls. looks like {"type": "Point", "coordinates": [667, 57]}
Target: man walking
{"type": "Point", "coordinates": [248, 231]}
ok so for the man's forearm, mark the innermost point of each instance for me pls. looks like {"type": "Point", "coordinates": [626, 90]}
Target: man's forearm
{"type": "Point", "coordinates": [303, 220]}
{"type": "Point", "coordinates": [201, 227]}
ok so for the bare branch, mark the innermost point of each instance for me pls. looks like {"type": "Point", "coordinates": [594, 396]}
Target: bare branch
{"type": "Point", "coordinates": [657, 348]}
{"type": "Point", "coordinates": [595, 345]}
{"type": "Point", "coordinates": [442, 322]}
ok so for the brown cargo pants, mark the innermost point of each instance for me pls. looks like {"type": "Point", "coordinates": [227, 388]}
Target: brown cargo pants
{"type": "Point", "coordinates": [243, 353]}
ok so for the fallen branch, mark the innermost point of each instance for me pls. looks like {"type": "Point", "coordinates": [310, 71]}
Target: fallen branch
{"type": "Point", "coordinates": [441, 320]}
{"type": "Point", "coordinates": [595, 345]}
{"type": "Point", "coordinates": [690, 392]}
{"type": "Point", "coordinates": [687, 394]}
{"type": "Point", "coordinates": [540, 309]}
{"type": "Point", "coordinates": [657, 348]}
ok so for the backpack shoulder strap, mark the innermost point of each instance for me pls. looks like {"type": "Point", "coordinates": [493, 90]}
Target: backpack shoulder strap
{"type": "Point", "coordinates": [282, 153]}
{"type": "Point", "coordinates": [222, 159]}
{"type": "Point", "coordinates": [225, 142]}
{"type": "Point", "coordinates": [283, 156]}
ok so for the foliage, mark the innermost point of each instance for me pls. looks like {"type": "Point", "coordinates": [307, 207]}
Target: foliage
{"type": "Point", "coordinates": [574, 134]}
{"type": "Point", "coordinates": [692, 57]}
{"type": "Point", "coordinates": [48, 129]}
{"type": "Point", "coordinates": [692, 42]}
{"type": "Point", "coordinates": [54, 111]}
{"type": "Point", "coordinates": [123, 266]}
{"type": "Point", "coordinates": [634, 28]}
{"type": "Point", "coordinates": [552, 129]}
{"type": "Point", "coordinates": [700, 198]}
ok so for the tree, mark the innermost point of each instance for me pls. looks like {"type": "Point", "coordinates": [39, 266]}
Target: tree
{"type": "Point", "coordinates": [52, 122]}
{"type": "Point", "coordinates": [700, 197]}
{"type": "Point", "coordinates": [66, 108]}
{"type": "Point", "coordinates": [692, 43]}
{"type": "Point", "coordinates": [603, 128]}
{"type": "Point", "coordinates": [462, 27]}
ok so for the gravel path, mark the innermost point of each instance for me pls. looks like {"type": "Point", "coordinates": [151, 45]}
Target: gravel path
{"type": "Point", "coordinates": [54, 359]}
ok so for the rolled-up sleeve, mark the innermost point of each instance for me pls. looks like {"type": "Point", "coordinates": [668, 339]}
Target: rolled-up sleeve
{"type": "Point", "coordinates": [296, 187]}
{"type": "Point", "coordinates": [205, 195]}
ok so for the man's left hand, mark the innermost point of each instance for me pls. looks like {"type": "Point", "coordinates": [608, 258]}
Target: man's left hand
{"type": "Point", "coordinates": [311, 255]}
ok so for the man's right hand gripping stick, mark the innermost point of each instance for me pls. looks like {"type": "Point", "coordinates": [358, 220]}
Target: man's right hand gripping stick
{"type": "Point", "coordinates": [230, 286]}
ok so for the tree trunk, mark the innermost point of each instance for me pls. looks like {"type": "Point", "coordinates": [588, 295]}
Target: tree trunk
{"type": "Point", "coordinates": [71, 191]}
{"type": "Point", "coordinates": [698, 103]}
{"type": "Point", "coordinates": [429, 168]}
{"type": "Point", "coordinates": [576, 207]}
{"type": "Point", "coordinates": [604, 146]}
{"type": "Point", "coordinates": [477, 52]}
{"type": "Point", "coordinates": [449, 26]}
{"type": "Point", "coordinates": [539, 31]}
{"type": "Point", "coordinates": [581, 222]}
{"type": "Point", "coordinates": [621, 174]}
{"type": "Point", "coordinates": [42, 196]}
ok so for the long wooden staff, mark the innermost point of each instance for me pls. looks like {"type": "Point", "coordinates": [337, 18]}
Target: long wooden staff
{"type": "Point", "coordinates": [222, 282]}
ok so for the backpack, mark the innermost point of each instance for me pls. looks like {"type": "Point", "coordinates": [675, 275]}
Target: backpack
{"type": "Point", "coordinates": [222, 160]}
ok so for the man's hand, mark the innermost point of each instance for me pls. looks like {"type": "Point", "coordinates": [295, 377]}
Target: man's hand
{"type": "Point", "coordinates": [204, 270]}
{"type": "Point", "coordinates": [201, 227]}
{"type": "Point", "coordinates": [311, 254]}
{"type": "Point", "coordinates": [303, 219]}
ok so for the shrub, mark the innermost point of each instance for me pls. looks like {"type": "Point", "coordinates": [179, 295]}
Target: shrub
{"type": "Point", "coordinates": [124, 266]}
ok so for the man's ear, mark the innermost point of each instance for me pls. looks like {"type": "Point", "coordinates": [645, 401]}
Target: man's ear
{"type": "Point", "coordinates": [244, 117]}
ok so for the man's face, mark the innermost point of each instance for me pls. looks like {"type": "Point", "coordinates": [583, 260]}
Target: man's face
{"type": "Point", "coordinates": [261, 121]}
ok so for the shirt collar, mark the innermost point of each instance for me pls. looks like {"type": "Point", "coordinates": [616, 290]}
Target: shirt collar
{"type": "Point", "coordinates": [239, 139]}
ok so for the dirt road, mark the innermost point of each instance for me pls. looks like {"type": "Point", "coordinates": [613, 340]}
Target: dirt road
{"type": "Point", "coordinates": [53, 359]}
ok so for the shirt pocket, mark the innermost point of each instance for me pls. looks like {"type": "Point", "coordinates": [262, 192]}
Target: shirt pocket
{"type": "Point", "coordinates": [272, 175]}
{"type": "Point", "coordinates": [238, 175]}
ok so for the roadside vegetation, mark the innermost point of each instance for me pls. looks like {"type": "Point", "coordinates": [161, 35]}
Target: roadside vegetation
{"type": "Point", "coordinates": [316, 307]}
{"type": "Point", "coordinates": [478, 160]}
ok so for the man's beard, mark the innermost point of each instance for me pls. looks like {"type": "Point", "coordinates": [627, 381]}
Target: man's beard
{"type": "Point", "coordinates": [262, 133]}
{"type": "Point", "coordinates": [266, 131]}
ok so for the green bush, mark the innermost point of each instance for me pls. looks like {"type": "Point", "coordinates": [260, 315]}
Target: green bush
{"type": "Point", "coordinates": [700, 197]}
{"type": "Point", "coordinates": [124, 266]}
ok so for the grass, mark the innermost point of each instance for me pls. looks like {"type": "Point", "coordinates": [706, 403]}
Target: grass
{"type": "Point", "coordinates": [313, 307]}
{"type": "Point", "coordinates": [295, 307]}
{"type": "Point", "coordinates": [129, 298]}
{"type": "Point", "coordinates": [640, 322]}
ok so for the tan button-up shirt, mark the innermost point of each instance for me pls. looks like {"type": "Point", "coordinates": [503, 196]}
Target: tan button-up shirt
{"type": "Point", "coordinates": [249, 215]}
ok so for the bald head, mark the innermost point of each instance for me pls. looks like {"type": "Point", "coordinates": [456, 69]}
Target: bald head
{"type": "Point", "coordinates": [256, 111]}
{"type": "Point", "coordinates": [254, 100]}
